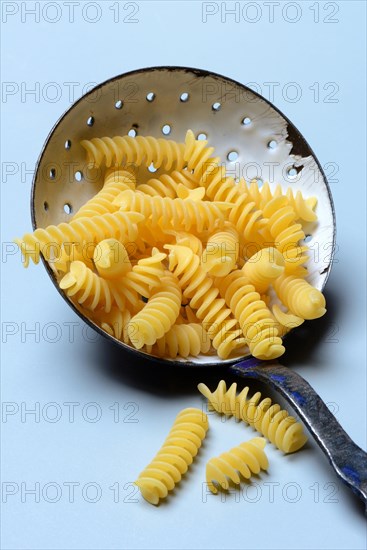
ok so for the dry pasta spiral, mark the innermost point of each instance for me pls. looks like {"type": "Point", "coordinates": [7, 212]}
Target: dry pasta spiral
{"type": "Point", "coordinates": [247, 219]}
{"type": "Point", "coordinates": [70, 252]}
{"type": "Point", "coordinates": [115, 182]}
{"type": "Point", "coordinates": [246, 459]}
{"type": "Point", "coordinates": [300, 297]}
{"type": "Point", "coordinates": [196, 154]}
{"type": "Point", "coordinates": [175, 456]}
{"type": "Point", "coordinates": [255, 319]}
{"type": "Point", "coordinates": [263, 268]}
{"type": "Point", "coordinates": [113, 322]}
{"type": "Point", "coordinates": [87, 288]}
{"type": "Point", "coordinates": [176, 213]}
{"type": "Point", "coordinates": [285, 232]}
{"type": "Point", "coordinates": [269, 419]}
{"type": "Point", "coordinates": [303, 208]}
{"type": "Point", "coordinates": [122, 225]}
{"type": "Point", "coordinates": [217, 319]}
{"type": "Point", "coordinates": [167, 184]}
{"type": "Point", "coordinates": [158, 315]}
{"type": "Point", "coordinates": [183, 340]}
{"type": "Point", "coordinates": [221, 252]}
{"type": "Point", "coordinates": [134, 150]}
{"type": "Point", "coordinates": [285, 321]}
{"type": "Point", "coordinates": [111, 259]}
{"type": "Point", "coordinates": [144, 276]}
{"type": "Point", "coordinates": [187, 239]}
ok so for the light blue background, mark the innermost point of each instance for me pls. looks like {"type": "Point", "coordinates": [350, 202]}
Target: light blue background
{"type": "Point", "coordinates": [330, 352]}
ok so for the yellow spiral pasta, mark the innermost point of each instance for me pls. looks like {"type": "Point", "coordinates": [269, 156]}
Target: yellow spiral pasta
{"type": "Point", "coordinates": [87, 288]}
{"type": "Point", "coordinates": [70, 252]}
{"type": "Point", "coordinates": [122, 225]}
{"type": "Point", "coordinates": [167, 185]}
{"type": "Point", "coordinates": [221, 252]}
{"type": "Point", "coordinates": [187, 239]}
{"type": "Point", "coordinates": [196, 154]}
{"type": "Point", "coordinates": [111, 259]}
{"type": "Point", "coordinates": [303, 208]}
{"type": "Point", "coordinates": [300, 297]}
{"type": "Point", "coordinates": [244, 460]}
{"type": "Point", "coordinates": [175, 456]}
{"type": "Point", "coordinates": [268, 419]}
{"type": "Point", "coordinates": [183, 340]}
{"type": "Point", "coordinates": [247, 220]}
{"type": "Point", "coordinates": [285, 321]}
{"type": "Point", "coordinates": [263, 268]}
{"type": "Point", "coordinates": [144, 276]}
{"type": "Point", "coordinates": [218, 187]}
{"type": "Point", "coordinates": [237, 261]}
{"type": "Point", "coordinates": [115, 182]}
{"type": "Point", "coordinates": [113, 322]}
{"type": "Point", "coordinates": [137, 150]}
{"type": "Point", "coordinates": [158, 315]}
{"type": "Point", "coordinates": [285, 232]}
{"type": "Point", "coordinates": [217, 319]}
{"type": "Point", "coordinates": [176, 213]}
{"type": "Point", "coordinates": [255, 319]}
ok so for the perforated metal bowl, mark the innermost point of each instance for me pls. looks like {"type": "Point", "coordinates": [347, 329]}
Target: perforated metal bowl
{"type": "Point", "coordinates": [251, 135]}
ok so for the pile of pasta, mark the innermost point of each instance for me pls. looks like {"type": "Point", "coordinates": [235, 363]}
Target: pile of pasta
{"type": "Point", "coordinates": [188, 262]}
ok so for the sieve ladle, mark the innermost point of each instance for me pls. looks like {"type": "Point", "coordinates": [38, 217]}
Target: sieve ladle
{"type": "Point", "coordinates": [256, 141]}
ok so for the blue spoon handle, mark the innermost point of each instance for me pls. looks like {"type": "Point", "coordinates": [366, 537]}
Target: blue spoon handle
{"type": "Point", "coordinates": [348, 460]}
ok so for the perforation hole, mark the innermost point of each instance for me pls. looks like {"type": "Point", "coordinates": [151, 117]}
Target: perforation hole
{"type": "Point", "coordinates": [52, 174]}
{"type": "Point", "coordinates": [292, 172]}
{"type": "Point", "coordinates": [307, 239]}
{"type": "Point", "coordinates": [166, 129]}
{"type": "Point", "coordinates": [152, 168]}
{"type": "Point", "coordinates": [67, 144]}
{"type": "Point", "coordinates": [184, 97]}
{"type": "Point", "coordinates": [216, 106]}
{"type": "Point", "coordinates": [132, 132]}
{"type": "Point", "coordinates": [68, 208]}
{"type": "Point", "coordinates": [232, 156]}
{"type": "Point", "coordinates": [259, 181]}
{"type": "Point", "coordinates": [78, 175]}
{"type": "Point", "coordinates": [272, 144]}
{"type": "Point", "coordinates": [151, 96]}
{"type": "Point", "coordinates": [90, 121]}
{"type": "Point", "coordinates": [246, 121]}
{"type": "Point", "coordinates": [202, 136]}
{"type": "Point", "coordinates": [45, 206]}
{"type": "Point", "coordinates": [118, 104]}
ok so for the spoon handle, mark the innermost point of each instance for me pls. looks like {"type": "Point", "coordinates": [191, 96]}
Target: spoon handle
{"type": "Point", "coordinates": [348, 460]}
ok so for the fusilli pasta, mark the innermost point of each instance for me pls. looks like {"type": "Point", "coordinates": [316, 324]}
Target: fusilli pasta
{"type": "Point", "coordinates": [87, 288]}
{"type": "Point", "coordinates": [268, 419]}
{"type": "Point", "coordinates": [122, 225]}
{"type": "Point", "coordinates": [175, 456]}
{"type": "Point", "coordinates": [183, 340]}
{"type": "Point", "coordinates": [300, 297]}
{"type": "Point", "coordinates": [263, 268]}
{"type": "Point", "coordinates": [221, 252]}
{"type": "Point", "coordinates": [175, 213]}
{"type": "Point", "coordinates": [158, 315]}
{"type": "Point", "coordinates": [246, 459]}
{"type": "Point", "coordinates": [111, 259]}
{"type": "Point", "coordinates": [222, 328]}
{"type": "Point", "coordinates": [255, 319]}
{"type": "Point", "coordinates": [138, 150]}
{"type": "Point", "coordinates": [167, 185]}
{"type": "Point", "coordinates": [115, 182]}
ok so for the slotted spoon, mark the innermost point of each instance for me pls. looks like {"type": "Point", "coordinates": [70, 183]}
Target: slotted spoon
{"type": "Point", "coordinates": [256, 141]}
